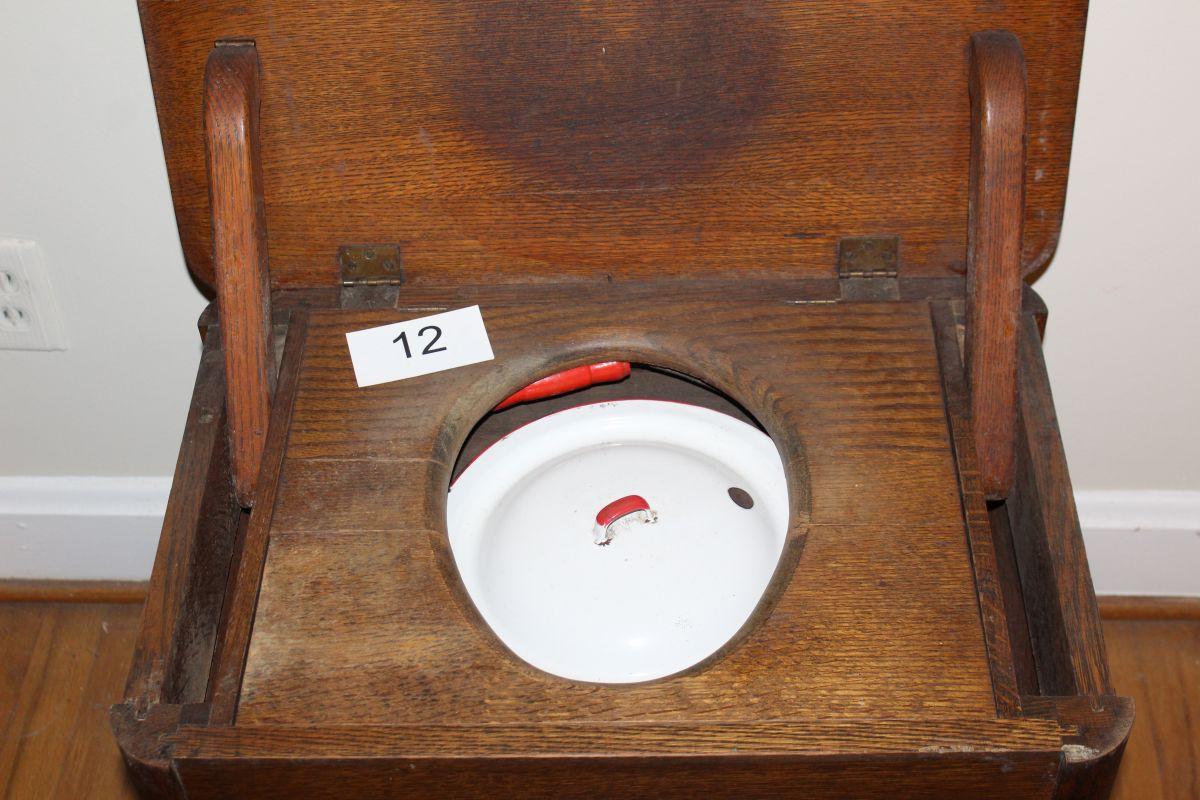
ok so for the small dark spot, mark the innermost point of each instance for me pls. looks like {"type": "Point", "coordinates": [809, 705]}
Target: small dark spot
{"type": "Point", "coordinates": [741, 497]}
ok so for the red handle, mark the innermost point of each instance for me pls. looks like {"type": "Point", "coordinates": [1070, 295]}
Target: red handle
{"type": "Point", "coordinates": [568, 381]}
{"type": "Point", "coordinates": [620, 508]}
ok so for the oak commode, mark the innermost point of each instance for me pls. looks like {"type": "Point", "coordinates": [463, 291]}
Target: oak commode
{"type": "Point", "coordinates": [806, 227]}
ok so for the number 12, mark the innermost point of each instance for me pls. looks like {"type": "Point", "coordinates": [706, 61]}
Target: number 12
{"type": "Point", "coordinates": [429, 348]}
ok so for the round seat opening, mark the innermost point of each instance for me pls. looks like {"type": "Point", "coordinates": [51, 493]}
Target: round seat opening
{"type": "Point", "coordinates": [621, 533]}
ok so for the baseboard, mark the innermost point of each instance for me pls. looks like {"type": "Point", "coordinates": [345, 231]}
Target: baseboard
{"type": "Point", "coordinates": [80, 528]}
{"type": "Point", "coordinates": [1127, 608]}
{"type": "Point", "coordinates": [22, 590]}
{"type": "Point", "coordinates": [1142, 543]}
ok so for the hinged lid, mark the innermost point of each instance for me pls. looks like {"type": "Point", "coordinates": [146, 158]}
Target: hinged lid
{"type": "Point", "coordinates": [503, 141]}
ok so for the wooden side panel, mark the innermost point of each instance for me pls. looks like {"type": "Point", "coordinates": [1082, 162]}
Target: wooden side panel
{"type": "Point", "coordinates": [1059, 598]}
{"type": "Point", "coordinates": [818, 758]}
{"type": "Point", "coordinates": [232, 97]}
{"type": "Point", "coordinates": [515, 141]}
{"type": "Point", "coordinates": [996, 209]}
{"type": "Point", "coordinates": [174, 646]}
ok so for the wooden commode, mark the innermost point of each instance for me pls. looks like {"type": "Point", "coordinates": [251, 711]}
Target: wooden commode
{"type": "Point", "coordinates": [816, 217]}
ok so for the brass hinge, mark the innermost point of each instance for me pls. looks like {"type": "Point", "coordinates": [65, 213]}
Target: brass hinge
{"type": "Point", "coordinates": [869, 267]}
{"type": "Point", "coordinates": [371, 275]}
{"type": "Point", "coordinates": [370, 264]}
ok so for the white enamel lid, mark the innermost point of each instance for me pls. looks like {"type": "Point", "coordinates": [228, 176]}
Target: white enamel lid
{"type": "Point", "coordinates": [654, 596]}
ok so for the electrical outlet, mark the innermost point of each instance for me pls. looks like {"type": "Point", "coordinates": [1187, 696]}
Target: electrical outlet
{"type": "Point", "coordinates": [29, 318]}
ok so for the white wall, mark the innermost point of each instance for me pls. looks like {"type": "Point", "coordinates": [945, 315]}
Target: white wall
{"type": "Point", "coordinates": [1123, 339]}
{"type": "Point", "coordinates": [82, 173]}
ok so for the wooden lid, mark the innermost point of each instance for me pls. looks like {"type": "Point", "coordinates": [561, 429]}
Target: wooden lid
{"type": "Point", "coordinates": [506, 141]}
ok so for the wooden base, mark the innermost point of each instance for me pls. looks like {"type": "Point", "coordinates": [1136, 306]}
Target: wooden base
{"type": "Point", "coordinates": [65, 662]}
{"type": "Point", "coordinates": [343, 652]}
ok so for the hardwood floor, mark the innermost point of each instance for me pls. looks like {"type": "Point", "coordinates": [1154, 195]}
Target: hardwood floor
{"type": "Point", "coordinates": [1158, 664]}
{"type": "Point", "coordinates": [62, 664]}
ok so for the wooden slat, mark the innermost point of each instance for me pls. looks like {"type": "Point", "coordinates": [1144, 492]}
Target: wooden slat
{"type": "Point", "coordinates": [992, 611]}
{"type": "Point", "coordinates": [794, 737]}
{"type": "Point", "coordinates": [232, 96]}
{"type": "Point", "coordinates": [230, 652]}
{"type": "Point", "coordinates": [895, 433]}
{"type": "Point", "coordinates": [930, 776]}
{"type": "Point", "coordinates": [996, 214]}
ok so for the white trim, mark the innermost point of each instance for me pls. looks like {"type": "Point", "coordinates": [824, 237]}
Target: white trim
{"type": "Point", "coordinates": [80, 528]}
{"type": "Point", "coordinates": [1142, 542]}
{"type": "Point", "coordinates": [1138, 510]}
{"type": "Point", "coordinates": [91, 528]}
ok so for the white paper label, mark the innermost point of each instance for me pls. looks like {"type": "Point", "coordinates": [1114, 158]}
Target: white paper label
{"type": "Point", "coordinates": [419, 346]}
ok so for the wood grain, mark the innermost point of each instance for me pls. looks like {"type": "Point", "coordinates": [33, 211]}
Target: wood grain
{"type": "Point", "coordinates": [859, 403]}
{"type": "Point", "coordinates": [175, 642]}
{"type": "Point", "coordinates": [245, 572]}
{"type": "Point", "coordinates": [1157, 663]}
{"type": "Point", "coordinates": [766, 760]}
{"type": "Point", "coordinates": [814, 736]}
{"type": "Point", "coordinates": [1056, 581]}
{"type": "Point", "coordinates": [232, 96]}
{"type": "Point", "coordinates": [988, 584]}
{"type": "Point", "coordinates": [980, 776]}
{"type": "Point", "coordinates": [62, 665]}
{"type": "Point", "coordinates": [516, 142]}
{"type": "Point", "coordinates": [995, 228]}
{"type": "Point", "coordinates": [658, 183]}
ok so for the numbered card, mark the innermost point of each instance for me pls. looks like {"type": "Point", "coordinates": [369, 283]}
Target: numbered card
{"type": "Point", "coordinates": [419, 346]}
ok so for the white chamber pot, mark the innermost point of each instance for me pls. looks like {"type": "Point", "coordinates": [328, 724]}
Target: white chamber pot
{"type": "Point", "coordinates": [621, 541]}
